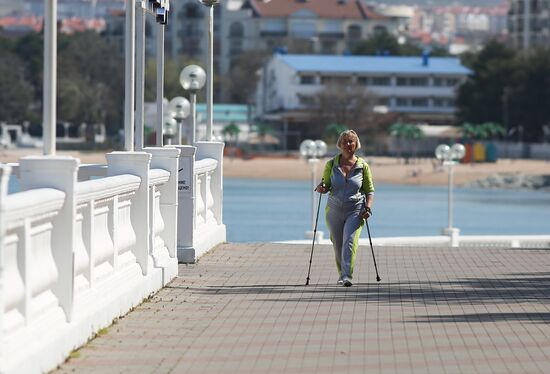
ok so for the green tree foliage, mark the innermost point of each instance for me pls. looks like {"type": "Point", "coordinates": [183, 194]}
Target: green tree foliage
{"type": "Point", "coordinates": [16, 93]}
{"type": "Point", "coordinates": [242, 79]}
{"type": "Point", "coordinates": [333, 131]}
{"type": "Point", "coordinates": [484, 131]}
{"type": "Point", "coordinates": [231, 132]}
{"type": "Point", "coordinates": [385, 43]}
{"type": "Point", "coordinates": [507, 87]}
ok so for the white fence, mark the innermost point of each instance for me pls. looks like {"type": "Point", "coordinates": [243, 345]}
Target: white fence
{"type": "Point", "coordinates": [74, 255]}
{"type": "Point", "coordinates": [200, 190]}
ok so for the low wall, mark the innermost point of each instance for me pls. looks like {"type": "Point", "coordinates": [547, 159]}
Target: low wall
{"type": "Point", "coordinates": [74, 255]}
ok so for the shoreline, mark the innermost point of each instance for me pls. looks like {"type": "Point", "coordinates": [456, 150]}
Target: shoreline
{"type": "Point", "coordinates": [388, 170]}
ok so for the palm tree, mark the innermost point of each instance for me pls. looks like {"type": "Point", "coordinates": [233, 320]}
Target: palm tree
{"type": "Point", "coordinates": [333, 131]}
{"type": "Point", "coordinates": [231, 132]}
{"type": "Point", "coordinates": [410, 132]}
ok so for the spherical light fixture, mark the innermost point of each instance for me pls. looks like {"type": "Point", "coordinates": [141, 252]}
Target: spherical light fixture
{"type": "Point", "coordinates": [192, 78]}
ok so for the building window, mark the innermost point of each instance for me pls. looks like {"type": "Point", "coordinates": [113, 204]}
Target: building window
{"type": "Point", "coordinates": [306, 100]}
{"type": "Point", "coordinates": [363, 80]}
{"type": "Point", "coordinates": [417, 82]}
{"type": "Point", "coordinates": [354, 32]}
{"type": "Point", "coordinates": [303, 30]}
{"type": "Point", "coordinates": [192, 10]}
{"type": "Point", "coordinates": [401, 101]}
{"type": "Point", "coordinates": [236, 30]}
{"type": "Point", "coordinates": [438, 82]}
{"type": "Point", "coordinates": [380, 81]}
{"type": "Point", "coordinates": [307, 79]}
{"type": "Point", "coordinates": [451, 82]}
{"type": "Point", "coordinates": [402, 81]}
{"type": "Point", "coordinates": [334, 80]}
{"type": "Point", "coordinates": [419, 102]}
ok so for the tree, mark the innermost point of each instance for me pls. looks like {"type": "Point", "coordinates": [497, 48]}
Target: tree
{"type": "Point", "coordinates": [410, 133]}
{"type": "Point", "coordinates": [241, 83]}
{"type": "Point", "coordinates": [480, 98]}
{"type": "Point", "coordinates": [507, 87]}
{"type": "Point", "coordinates": [384, 43]}
{"type": "Point", "coordinates": [232, 132]}
{"type": "Point", "coordinates": [341, 103]}
{"type": "Point", "coordinates": [16, 93]}
{"type": "Point", "coordinates": [333, 131]}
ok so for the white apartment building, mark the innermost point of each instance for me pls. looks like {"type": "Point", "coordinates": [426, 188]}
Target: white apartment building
{"type": "Point", "coordinates": [423, 89]}
{"type": "Point", "coordinates": [303, 26]}
{"type": "Point", "coordinates": [529, 23]}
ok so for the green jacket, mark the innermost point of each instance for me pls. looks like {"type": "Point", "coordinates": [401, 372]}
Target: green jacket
{"type": "Point", "coordinates": [367, 186]}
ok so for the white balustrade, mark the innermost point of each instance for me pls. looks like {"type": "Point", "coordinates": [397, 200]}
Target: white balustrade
{"type": "Point", "coordinates": [76, 255]}
{"type": "Point", "coordinates": [200, 190]}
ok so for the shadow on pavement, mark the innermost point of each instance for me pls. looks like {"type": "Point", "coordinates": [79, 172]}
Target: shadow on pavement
{"type": "Point", "coordinates": [509, 289]}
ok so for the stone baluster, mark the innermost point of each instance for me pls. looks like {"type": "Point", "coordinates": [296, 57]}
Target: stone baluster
{"type": "Point", "coordinates": [136, 163]}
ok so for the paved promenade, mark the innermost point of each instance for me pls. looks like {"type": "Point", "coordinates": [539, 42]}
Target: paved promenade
{"type": "Point", "coordinates": [245, 309]}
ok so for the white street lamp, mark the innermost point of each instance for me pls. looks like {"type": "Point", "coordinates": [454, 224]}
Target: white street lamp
{"type": "Point", "coordinates": [192, 79]}
{"type": "Point", "coordinates": [450, 157]}
{"type": "Point", "coordinates": [312, 151]}
{"type": "Point", "coordinates": [179, 108]}
{"type": "Point", "coordinates": [210, 66]}
{"type": "Point", "coordinates": [169, 128]}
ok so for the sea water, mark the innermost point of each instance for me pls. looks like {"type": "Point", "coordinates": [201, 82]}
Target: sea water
{"type": "Point", "coordinates": [276, 210]}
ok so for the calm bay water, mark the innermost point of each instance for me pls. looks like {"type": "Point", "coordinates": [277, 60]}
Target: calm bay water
{"type": "Point", "coordinates": [265, 210]}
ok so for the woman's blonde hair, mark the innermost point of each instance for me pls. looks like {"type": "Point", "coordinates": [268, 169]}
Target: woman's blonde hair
{"type": "Point", "coordinates": [348, 133]}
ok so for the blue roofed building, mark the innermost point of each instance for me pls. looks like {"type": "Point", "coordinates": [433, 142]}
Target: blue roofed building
{"type": "Point", "coordinates": [419, 89]}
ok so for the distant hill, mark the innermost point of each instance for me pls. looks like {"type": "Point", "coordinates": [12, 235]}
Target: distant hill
{"type": "Point", "coordinates": [439, 2]}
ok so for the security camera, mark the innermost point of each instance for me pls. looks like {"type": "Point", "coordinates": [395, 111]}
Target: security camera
{"type": "Point", "coordinates": [162, 16]}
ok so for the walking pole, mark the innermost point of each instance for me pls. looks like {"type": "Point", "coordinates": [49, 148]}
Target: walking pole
{"type": "Point", "coordinates": [372, 250]}
{"type": "Point", "coordinates": [314, 237]}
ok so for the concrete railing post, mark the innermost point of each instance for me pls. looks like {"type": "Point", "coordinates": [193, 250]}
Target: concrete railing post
{"type": "Point", "coordinates": [214, 150]}
{"type": "Point", "coordinates": [5, 172]}
{"type": "Point", "coordinates": [136, 163]}
{"type": "Point", "coordinates": [186, 205]}
{"type": "Point", "coordinates": [168, 159]}
{"type": "Point", "coordinates": [60, 173]}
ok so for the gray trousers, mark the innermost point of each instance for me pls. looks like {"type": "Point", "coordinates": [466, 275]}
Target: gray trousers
{"type": "Point", "coordinates": [345, 223]}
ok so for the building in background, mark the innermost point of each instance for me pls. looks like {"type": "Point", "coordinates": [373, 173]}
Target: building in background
{"type": "Point", "coordinates": [529, 23]}
{"type": "Point", "coordinates": [459, 28]}
{"type": "Point", "coordinates": [313, 26]}
{"type": "Point", "coordinates": [418, 89]}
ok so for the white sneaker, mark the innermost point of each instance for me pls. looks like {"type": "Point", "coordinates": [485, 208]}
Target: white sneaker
{"type": "Point", "coordinates": [346, 282]}
{"type": "Point", "coordinates": [340, 281]}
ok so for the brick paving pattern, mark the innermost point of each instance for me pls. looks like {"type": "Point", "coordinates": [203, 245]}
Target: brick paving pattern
{"type": "Point", "coordinates": [244, 308]}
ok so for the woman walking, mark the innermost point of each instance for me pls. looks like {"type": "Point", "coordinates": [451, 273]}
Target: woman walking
{"type": "Point", "coordinates": [349, 180]}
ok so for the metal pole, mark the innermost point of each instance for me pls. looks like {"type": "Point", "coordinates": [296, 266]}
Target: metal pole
{"type": "Point", "coordinates": [193, 118]}
{"type": "Point", "coordinates": [50, 77]}
{"type": "Point", "coordinates": [140, 73]}
{"type": "Point", "coordinates": [312, 162]}
{"type": "Point", "coordinates": [209, 74]}
{"type": "Point", "coordinates": [129, 75]}
{"type": "Point", "coordinates": [160, 82]}
{"type": "Point", "coordinates": [450, 203]}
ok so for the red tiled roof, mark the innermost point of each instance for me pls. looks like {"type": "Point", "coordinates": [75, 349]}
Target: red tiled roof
{"type": "Point", "coordinates": [349, 9]}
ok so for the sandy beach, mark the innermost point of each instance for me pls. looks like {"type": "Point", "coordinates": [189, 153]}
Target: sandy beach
{"type": "Point", "coordinates": [384, 169]}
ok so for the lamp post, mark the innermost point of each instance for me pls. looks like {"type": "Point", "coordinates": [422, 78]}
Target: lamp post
{"type": "Point", "coordinates": [450, 157]}
{"type": "Point", "coordinates": [179, 109]}
{"type": "Point", "coordinates": [312, 151]}
{"type": "Point", "coordinates": [169, 128]}
{"type": "Point", "coordinates": [210, 66]}
{"type": "Point", "coordinates": [192, 79]}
